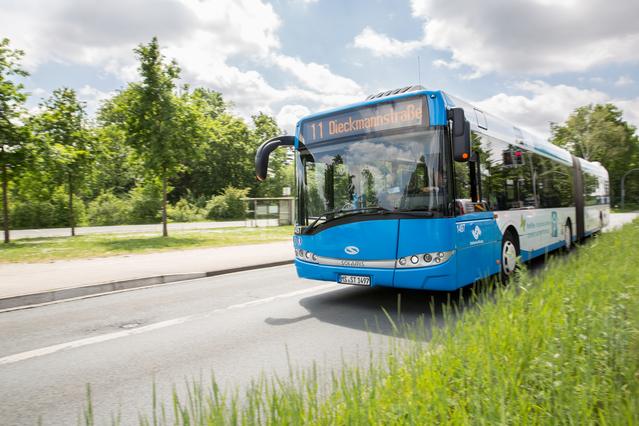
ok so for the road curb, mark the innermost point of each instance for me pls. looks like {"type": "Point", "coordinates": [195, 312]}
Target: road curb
{"type": "Point", "coordinates": [29, 300]}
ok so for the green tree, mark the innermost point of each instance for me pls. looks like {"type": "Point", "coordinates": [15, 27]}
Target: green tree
{"type": "Point", "coordinates": [281, 169]}
{"type": "Point", "coordinates": [598, 133]}
{"type": "Point", "coordinates": [163, 129]}
{"type": "Point", "coordinates": [116, 171]}
{"type": "Point", "coordinates": [64, 142]}
{"type": "Point", "coordinates": [13, 135]}
{"type": "Point", "coordinates": [209, 102]}
{"type": "Point", "coordinates": [226, 160]}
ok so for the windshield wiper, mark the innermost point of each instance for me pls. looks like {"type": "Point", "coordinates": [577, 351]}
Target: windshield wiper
{"type": "Point", "coordinates": [427, 213]}
{"type": "Point", "coordinates": [340, 211]}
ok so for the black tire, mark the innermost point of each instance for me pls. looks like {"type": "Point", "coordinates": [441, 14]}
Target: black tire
{"type": "Point", "coordinates": [567, 237]}
{"type": "Point", "coordinates": [509, 255]}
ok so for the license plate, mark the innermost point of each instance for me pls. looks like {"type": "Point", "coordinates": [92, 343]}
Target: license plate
{"type": "Point", "coordinates": [353, 279]}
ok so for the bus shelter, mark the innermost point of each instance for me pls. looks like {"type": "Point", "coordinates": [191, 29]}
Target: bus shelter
{"type": "Point", "coordinates": [268, 211]}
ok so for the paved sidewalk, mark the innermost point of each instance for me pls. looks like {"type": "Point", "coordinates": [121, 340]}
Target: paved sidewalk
{"type": "Point", "coordinates": [33, 283]}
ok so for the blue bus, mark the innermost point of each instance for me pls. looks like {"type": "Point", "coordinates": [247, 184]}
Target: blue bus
{"type": "Point", "coordinates": [417, 189]}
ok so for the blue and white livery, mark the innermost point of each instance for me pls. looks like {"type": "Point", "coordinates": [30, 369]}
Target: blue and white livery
{"type": "Point", "coordinates": [417, 189]}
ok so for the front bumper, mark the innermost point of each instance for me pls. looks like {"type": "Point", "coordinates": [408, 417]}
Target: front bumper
{"type": "Point", "coordinates": [441, 277]}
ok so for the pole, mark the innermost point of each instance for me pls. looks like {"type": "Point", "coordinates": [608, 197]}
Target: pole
{"type": "Point", "coordinates": [5, 203]}
{"type": "Point", "coordinates": [623, 190]}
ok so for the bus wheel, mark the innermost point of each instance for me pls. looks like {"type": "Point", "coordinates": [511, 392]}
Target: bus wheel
{"type": "Point", "coordinates": [509, 253]}
{"type": "Point", "coordinates": [567, 237]}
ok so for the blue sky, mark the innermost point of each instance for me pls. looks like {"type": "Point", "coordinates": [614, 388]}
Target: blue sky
{"type": "Point", "coordinates": [527, 61]}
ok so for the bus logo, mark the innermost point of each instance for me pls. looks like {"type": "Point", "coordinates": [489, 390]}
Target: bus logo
{"type": "Point", "coordinates": [352, 250]}
{"type": "Point", "coordinates": [476, 232]}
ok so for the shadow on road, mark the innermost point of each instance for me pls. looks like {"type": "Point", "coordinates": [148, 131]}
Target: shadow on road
{"type": "Point", "coordinates": [362, 308]}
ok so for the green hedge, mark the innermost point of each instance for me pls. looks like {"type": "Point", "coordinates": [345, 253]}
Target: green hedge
{"type": "Point", "coordinates": [141, 205]}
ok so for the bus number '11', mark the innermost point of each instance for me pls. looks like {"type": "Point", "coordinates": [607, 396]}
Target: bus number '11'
{"type": "Point", "coordinates": [320, 129]}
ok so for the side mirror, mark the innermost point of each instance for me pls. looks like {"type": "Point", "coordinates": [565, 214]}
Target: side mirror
{"type": "Point", "coordinates": [261, 158]}
{"type": "Point", "coordinates": [461, 135]}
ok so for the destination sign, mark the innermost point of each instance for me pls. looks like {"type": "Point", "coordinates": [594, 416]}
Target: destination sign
{"type": "Point", "coordinates": [384, 116]}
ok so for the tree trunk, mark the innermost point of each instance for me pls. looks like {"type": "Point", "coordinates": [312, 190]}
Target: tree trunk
{"type": "Point", "coordinates": [165, 231]}
{"type": "Point", "coordinates": [5, 203]}
{"type": "Point", "coordinates": [71, 206]}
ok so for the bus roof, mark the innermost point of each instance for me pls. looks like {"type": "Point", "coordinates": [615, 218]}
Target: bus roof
{"type": "Point", "coordinates": [481, 122]}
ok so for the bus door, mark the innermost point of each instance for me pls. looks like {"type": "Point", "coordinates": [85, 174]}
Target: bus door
{"type": "Point", "coordinates": [476, 228]}
{"type": "Point", "coordinates": [475, 241]}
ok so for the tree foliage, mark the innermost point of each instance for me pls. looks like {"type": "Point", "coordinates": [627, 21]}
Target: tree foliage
{"type": "Point", "coordinates": [598, 133]}
{"type": "Point", "coordinates": [65, 142]}
{"type": "Point", "coordinates": [281, 168]}
{"type": "Point", "coordinates": [13, 135]}
{"type": "Point", "coordinates": [164, 129]}
{"type": "Point", "coordinates": [151, 143]}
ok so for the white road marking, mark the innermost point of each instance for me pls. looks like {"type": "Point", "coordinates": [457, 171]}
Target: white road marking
{"type": "Point", "coordinates": [98, 339]}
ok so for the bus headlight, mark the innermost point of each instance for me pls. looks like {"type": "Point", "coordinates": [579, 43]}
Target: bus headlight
{"type": "Point", "coordinates": [424, 259]}
{"type": "Point", "coordinates": [306, 256]}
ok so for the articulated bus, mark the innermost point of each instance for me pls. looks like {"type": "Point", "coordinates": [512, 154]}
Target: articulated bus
{"type": "Point", "coordinates": [417, 189]}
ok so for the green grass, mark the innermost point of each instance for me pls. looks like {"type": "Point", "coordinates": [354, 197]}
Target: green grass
{"type": "Point", "coordinates": [561, 350]}
{"type": "Point", "coordinates": [100, 245]}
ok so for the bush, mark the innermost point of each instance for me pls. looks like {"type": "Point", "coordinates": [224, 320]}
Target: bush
{"type": "Point", "coordinates": [216, 208]}
{"type": "Point", "coordinates": [183, 212]}
{"type": "Point", "coordinates": [32, 215]}
{"type": "Point", "coordinates": [107, 210]}
{"type": "Point", "coordinates": [145, 204]}
{"type": "Point", "coordinates": [52, 213]}
{"type": "Point", "coordinates": [228, 205]}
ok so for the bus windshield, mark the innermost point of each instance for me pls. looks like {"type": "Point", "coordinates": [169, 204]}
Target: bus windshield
{"type": "Point", "coordinates": [399, 173]}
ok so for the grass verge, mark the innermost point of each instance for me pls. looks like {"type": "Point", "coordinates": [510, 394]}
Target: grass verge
{"type": "Point", "coordinates": [564, 350]}
{"type": "Point", "coordinates": [100, 245]}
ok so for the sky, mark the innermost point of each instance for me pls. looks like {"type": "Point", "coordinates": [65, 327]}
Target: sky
{"type": "Point", "coordinates": [529, 62]}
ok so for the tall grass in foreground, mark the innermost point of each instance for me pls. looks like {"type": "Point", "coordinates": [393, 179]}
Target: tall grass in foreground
{"type": "Point", "coordinates": [564, 350]}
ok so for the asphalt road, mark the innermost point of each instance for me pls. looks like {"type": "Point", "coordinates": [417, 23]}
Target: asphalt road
{"type": "Point", "coordinates": [235, 326]}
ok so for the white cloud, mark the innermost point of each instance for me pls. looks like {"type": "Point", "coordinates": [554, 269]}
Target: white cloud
{"type": "Point", "coordinates": [93, 97]}
{"type": "Point", "coordinates": [630, 108]}
{"type": "Point", "coordinates": [318, 77]}
{"type": "Point", "coordinates": [547, 103]}
{"type": "Point", "coordinates": [205, 37]}
{"type": "Point", "coordinates": [623, 81]}
{"type": "Point", "coordinates": [97, 33]}
{"type": "Point", "coordinates": [289, 115]}
{"type": "Point", "coordinates": [382, 45]}
{"type": "Point", "coordinates": [520, 36]}
{"type": "Point", "coordinates": [552, 103]}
